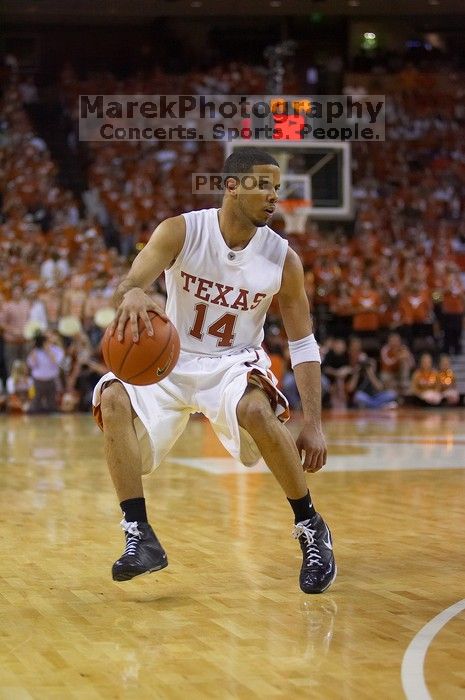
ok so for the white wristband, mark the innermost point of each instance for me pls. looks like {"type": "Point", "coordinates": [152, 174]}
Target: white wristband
{"type": "Point", "coordinates": [304, 350]}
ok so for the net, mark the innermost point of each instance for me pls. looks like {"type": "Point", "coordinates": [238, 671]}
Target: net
{"type": "Point", "coordinates": [295, 212]}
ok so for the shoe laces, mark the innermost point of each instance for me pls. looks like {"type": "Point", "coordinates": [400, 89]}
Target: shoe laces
{"type": "Point", "coordinates": [133, 536]}
{"type": "Point", "coordinates": [308, 536]}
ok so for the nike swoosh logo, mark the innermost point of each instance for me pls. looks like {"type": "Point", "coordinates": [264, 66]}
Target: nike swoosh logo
{"type": "Point", "coordinates": [162, 370]}
{"type": "Point", "coordinates": [328, 543]}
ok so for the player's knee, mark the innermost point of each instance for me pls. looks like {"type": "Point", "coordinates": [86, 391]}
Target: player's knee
{"type": "Point", "coordinates": [114, 402]}
{"type": "Point", "coordinates": [254, 412]}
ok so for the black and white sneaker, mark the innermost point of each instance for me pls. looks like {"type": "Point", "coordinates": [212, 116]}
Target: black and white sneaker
{"type": "Point", "coordinates": [318, 567]}
{"type": "Point", "coordinates": [143, 553]}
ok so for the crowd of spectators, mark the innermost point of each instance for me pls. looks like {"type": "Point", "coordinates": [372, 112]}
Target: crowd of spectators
{"type": "Point", "coordinates": [385, 293]}
{"type": "Point", "coordinates": [400, 274]}
{"type": "Point", "coordinates": [135, 185]}
{"type": "Point", "coordinates": [54, 265]}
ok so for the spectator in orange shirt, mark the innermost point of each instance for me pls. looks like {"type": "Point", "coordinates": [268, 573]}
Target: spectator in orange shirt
{"type": "Point", "coordinates": [396, 363]}
{"type": "Point", "coordinates": [417, 304]}
{"type": "Point", "coordinates": [447, 382]}
{"type": "Point", "coordinates": [425, 385]}
{"type": "Point", "coordinates": [453, 307]}
{"type": "Point", "coordinates": [366, 302]}
{"type": "Point", "coordinates": [416, 307]}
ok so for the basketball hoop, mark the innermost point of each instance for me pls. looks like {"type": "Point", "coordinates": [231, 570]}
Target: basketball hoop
{"type": "Point", "coordinates": [295, 212]}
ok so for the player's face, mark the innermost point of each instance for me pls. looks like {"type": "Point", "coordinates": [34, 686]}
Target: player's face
{"type": "Point", "coordinates": [258, 203]}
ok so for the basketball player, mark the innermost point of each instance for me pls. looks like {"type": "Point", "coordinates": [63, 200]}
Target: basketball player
{"type": "Point", "coordinates": [222, 268]}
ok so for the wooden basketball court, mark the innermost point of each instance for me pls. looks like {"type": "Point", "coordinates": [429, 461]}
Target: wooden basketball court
{"type": "Point", "coordinates": [226, 619]}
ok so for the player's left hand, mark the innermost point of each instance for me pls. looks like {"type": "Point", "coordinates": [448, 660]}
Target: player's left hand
{"type": "Point", "coordinates": [311, 445]}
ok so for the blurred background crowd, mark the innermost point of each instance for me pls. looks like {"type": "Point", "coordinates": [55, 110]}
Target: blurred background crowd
{"type": "Point", "coordinates": [386, 289]}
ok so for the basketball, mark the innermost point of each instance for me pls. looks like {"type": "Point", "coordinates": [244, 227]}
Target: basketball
{"type": "Point", "coordinates": [149, 360]}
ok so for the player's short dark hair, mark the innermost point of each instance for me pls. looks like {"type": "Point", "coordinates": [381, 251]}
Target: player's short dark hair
{"type": "Point", "coordinates": [242, 160]}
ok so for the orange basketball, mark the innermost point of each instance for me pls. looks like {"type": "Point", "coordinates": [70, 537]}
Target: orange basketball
{"type": "Point", "coordinates": [149, 360]}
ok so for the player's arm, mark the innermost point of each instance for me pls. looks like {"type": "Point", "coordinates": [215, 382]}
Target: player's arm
{"type": "Point", "coordinates": [295, 312]}
{"type": "Point", "coordinates": [162, 249]}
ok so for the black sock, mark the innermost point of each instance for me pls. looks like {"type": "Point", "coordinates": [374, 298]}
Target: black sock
{"type": "Point", "coordinates": [302, 507]}
{"type": "Point", "coordinates": [134, 510]}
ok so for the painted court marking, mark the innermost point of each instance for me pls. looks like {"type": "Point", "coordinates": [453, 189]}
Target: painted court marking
{"type": "Point", "coordinates": [372, 456]}
{"type": "Point", "coordinates": [412, 673]}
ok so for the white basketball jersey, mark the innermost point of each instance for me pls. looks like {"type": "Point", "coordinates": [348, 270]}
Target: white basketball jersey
{"type": "Point", "coordinates": [218, 297]}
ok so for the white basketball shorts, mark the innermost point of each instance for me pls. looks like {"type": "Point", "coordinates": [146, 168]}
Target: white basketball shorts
{"type": "Point", "coordinates": [212, 385]}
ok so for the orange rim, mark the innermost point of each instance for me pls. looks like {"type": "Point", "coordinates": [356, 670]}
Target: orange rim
{"type": "Point", "coordinates": [289, 205]}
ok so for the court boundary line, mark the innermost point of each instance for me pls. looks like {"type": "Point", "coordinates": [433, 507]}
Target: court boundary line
{"type": "Point", "coordinates": [412, 671]}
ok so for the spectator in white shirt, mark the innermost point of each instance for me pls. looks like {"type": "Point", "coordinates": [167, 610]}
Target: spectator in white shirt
{"type": "Point", "coordinates": [54, 269]}
{"type": "Point", "coordinates": [44, 362]}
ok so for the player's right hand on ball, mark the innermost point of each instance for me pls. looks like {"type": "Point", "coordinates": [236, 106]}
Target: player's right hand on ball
{"type": "Point", "coordinates": [136, 304]}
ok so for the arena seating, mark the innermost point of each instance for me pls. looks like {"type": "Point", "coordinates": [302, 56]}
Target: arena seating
{"type": "Point", "coordinates": [398, 266]}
